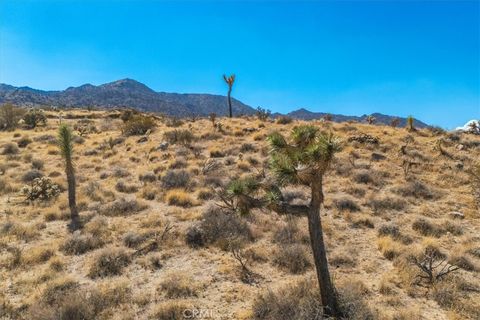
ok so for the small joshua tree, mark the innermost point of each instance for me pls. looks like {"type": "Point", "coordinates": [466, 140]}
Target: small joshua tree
{"type": "Point", "coordinates": [229, 80]}
{"type": "Point", "coordinates": [66, 149]}
{"type": "Point", "coordinates": [304, 161]}
{"type": "Point", "coordinates": [370, 119]}
{"type": "Point", "coordinates": [263, 114]}
{"type": "Point", "coordinates": [410, 121]}
{"type": "Point", "coordinates": [395, 122]}
{"type": "Point", "coordinates": [213, 119]}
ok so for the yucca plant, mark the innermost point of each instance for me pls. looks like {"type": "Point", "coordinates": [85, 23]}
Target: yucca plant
{"type": "Point", "coordinates": [304, 160]}
{"type": "Point", "coordinates": [229, 80]}
{"type": "Point", "coordinates": [370, 119]}
{"type": "Point", "coordinates": [410, 121]}
{"type": "Point", "coordinates": [66, 150]}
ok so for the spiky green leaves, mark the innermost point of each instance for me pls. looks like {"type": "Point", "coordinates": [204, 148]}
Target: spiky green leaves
{"type": "Point", "coordinates": [242, 186]}
{"type": "Point", "coordinates": [65, 143]}
{"type": "Point", "coordinates": [308, 156]}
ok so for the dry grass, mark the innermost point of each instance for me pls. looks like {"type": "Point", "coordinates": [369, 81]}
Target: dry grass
{"type": "Point", "coordinates": [151, 213]}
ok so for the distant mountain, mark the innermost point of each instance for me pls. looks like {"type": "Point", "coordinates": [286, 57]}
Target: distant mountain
{"type": "Point", "coordinates": [133, 94]}
{"type": "Point", "coordinates": [305, 114]}
{"type": "Point", "coordinates": [124, 93]}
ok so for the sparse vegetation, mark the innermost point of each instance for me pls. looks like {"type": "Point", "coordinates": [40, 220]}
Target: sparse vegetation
{"type": "Point", "coordinates": [219, 219]}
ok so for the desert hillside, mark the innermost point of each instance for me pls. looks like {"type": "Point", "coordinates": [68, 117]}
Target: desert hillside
{"type": "Point", "coordinates": [165, 235]}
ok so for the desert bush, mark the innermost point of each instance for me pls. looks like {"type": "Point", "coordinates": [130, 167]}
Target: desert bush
{"type": "Point", "coordinates": [121, 186]}
{"type": "Point", "coordinates": [9, 149]}
{"type": "Point", "coordinates": [178, 197]}
{"type": "Point", "coordinates": [170, 310]}
{"type": "Point", "coordinates": [389, 229]}
{"type": "Point", "coordinates": [5, 187]}
{"type": "Point", "coordinates": [122, 207]}
{"type": "Point", "coordinates": [37, 164]}
{"type": "Point", "coordinates": [179, 136]}
{"type": "Point", "coordinates": [427, 228]}
{"type": "Point", "coordinates": [138, 124]}
{"type": "Point", "coordinates": [220, 227]}
{"type": "Point", "coordinates": [31, 175]}
{"type": "Point", "coordinates": [284, 120]}
{"type": "Point", "coordinates": [78, 244]}
{"type": "Point", "coordinates": [389, 248]}
{"type": "Point", "coordinates": [37, 255]}
{"type": "Point", "coordinates": [34, 117]}
{"type": "Point", "coordinates": [366, 177]}
{"type": "Point", "coordinates": [346, 204]}
{"type": "Point", "coordinates": [175, 179]}
{"type": "Point", "coordinates": [293, 302]}
{"type": "Point", "coordinates": [247, 147]}
{"type": "Point", "coordinates": [216, 153]}
{"type": "Point", "coordinates": [108, 262]}
{"type": "Point", "coordinates": [178, 285]}
{"type": "Point", "coordinates": [262, 114]}
{"type": "Point", "coordinates": [194, 237]}
{"type": "Point", "coordinates": [132, 239]}
{"type": "Point", "coordinates": [10, 116]}
{"type": "Point", "coordinates": [41, 189]}
{"type": "Point", "coordinates": [463, 262]}
{"type": "Point", "coordinates": [23, 142]}
{"type": "Point", "coordinates": [380, 205]}
{"type": "Point", "coordinates": [293, 258]}
{"type": "Point", "coordinates": [289, 234]}
{"type": "Point", "coordinates": [417, 189]}
{"type": "Point", "coordinates": [147, 177]}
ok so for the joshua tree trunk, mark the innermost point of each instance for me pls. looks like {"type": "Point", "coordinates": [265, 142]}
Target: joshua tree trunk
{"type": "Point", "coordinates": [72, 203]}
{"type": "Point", "coordinates": [327, 292]}
{"type": "Point", "coordinates": [230, 101]}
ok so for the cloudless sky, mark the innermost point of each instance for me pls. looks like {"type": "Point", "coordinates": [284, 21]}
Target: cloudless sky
{"type": "Point", "coordinates": [348, 57]}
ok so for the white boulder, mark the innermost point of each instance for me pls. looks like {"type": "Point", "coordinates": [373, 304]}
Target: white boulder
{"type": "Point", "coordinates": [472, 126]}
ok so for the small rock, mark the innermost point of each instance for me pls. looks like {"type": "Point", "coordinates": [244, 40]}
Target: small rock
{"type": "Point", "coordinates": [249, 129]}
{"type": "Point", "coordinates": [459, 165]}
{"type": "Point", "coordinates": [163, 146]}
{"type": "Point", "coordinates": [142, 139]}
{"type": "Point", "coordinates": [457, 215]}
{"type": "Point", "coordinates": [460, 147]}
{"type": "Point", "coordinates": [377, 157]}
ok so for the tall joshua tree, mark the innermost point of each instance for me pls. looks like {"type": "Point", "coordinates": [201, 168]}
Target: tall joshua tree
{"type": "Point", "coordinates": [66, 150]}
{"type": "Point", "coordinates": [229, 80]}
{"type": "Point", "coordinates": [304, 161]}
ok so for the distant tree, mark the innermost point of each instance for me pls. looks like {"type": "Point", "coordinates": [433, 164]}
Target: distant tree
{"type": "Point", "coordinates": [327, 117]}
{"type": "Point", "coordinates": [410, 123]}
{"type": "Point", "coordinates": [10, 116]}
{"type": "Point", "coordinates": [213, 119]}
{"type": "Point", "coordinates": [229, 80]}
{"type": "Point", "coordinates": [395, 122]}
{"type": "Point", "coordinates": [263, 114]}
{"type": "Point", "coordinates": [370, 119]}
{"type": "Point", "coordinates": [304, 161]}
{"type": "Point", "coordinates": [66, 149]}
{"type": "Point", "coordinates": [34, 117]}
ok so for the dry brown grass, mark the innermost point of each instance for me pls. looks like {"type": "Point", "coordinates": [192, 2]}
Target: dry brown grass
{"type": "Point", "coordinates": [153, 229]}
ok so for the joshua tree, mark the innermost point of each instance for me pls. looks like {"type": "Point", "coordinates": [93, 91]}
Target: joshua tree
{"type": "Point", "coordinates": [229, 80]}
{"type": "Point", "coordinates": [410, 120]}
{"type": "Point", "coordinates": [305, 161]}
{"type": "Point", "coordinates": [66, 149]}
{"type": "Point", "coordinates": [371, 119]}
{"type": "Point", "coordinates": [395, 122]}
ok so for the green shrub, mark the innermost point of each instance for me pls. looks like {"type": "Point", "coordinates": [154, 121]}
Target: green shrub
{"type": "Point", "coordinates": [138, 124]}
{"type": "Point", "coordinates": [10, 116]}
{"type": "Point", "coordinates": [34, 117]}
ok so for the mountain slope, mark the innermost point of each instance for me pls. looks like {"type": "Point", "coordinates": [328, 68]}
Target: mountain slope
{"type": "Point", "coordinates": [133, 94]}
{"type": "Point", "coordinates": [124, 93]}
{"type": "Point", "coordinates": [305, 114]}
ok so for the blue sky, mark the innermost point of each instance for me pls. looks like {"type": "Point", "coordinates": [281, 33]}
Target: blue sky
{"type": "Point", "coordinates": [349, 57]}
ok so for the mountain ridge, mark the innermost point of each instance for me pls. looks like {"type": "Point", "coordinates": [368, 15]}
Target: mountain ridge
{"type": "Point", "coordinates": [134, 94]}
